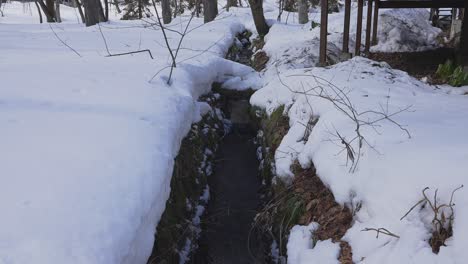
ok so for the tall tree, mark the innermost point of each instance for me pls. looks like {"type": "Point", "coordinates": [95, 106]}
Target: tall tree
{"type": "Point", "coordinates": [48, 9]}
{"type": "Point", "coordinates": [166, 11]}
{"type": "Point", "coordinates": [303, 10]}
{"type": "Point", "coordinates": [259, 18]}
{"type": "Point", "coordinates": [80, 10]}
{"type": "Point", "coordinates": [210, 10]}
{"type": "Point", "coordinates": [93, 12]}
{"type": "Point", "coordinates": [58, 19]}
{"type": "Point", "coordinates": [106, 9]}
{"type": "Point", "coordinates": [38, 10]}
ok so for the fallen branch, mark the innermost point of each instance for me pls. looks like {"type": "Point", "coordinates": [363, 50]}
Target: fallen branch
{"type": "Point", "coordinates": [132, 52]}
{"type": "Point", "coordinates": [109, 54]}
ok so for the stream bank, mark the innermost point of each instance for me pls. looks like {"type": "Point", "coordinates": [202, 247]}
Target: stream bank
{"type": "Point", "coordinates": [250, 211]}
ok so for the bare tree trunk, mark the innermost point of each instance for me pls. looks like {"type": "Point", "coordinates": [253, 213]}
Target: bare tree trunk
{"type": "Point", "coordinates": [48, 10]}
{"type": "Point", "coordinates": [93, 12]}
{"type": "Point", "coordinates": [303, 10]}
{"type": "Point", "coordinates": [166, 11]}
{"type": "Point", "coordinates": [463, 49]}
{"type": "Point", "coordinates": [51, 9]}
{"type": "Point", "coordinates": [140, 9]}
{"type": "Point", "coordinates": [197, 7]}
{"type": "Point", "coordinates": [117, 6]}
{"type": "Point", "coordinates": [58, 19]}
{"type": "Point", "coordinates": [259, 19]}
{"type": "Point", "coordinates": [210, 10]}
{"type": "Point", "coordinates": [101, 12]}
{"type": "Point", "coordinates": [38, 10]}
{"type": "Point", "coordinates": [80, 10]}
{"type": "Point", "coordinates": [106, 9]}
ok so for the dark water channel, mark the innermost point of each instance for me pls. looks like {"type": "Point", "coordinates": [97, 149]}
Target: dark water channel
{"type": "Point", "coordinates": [227, 235]}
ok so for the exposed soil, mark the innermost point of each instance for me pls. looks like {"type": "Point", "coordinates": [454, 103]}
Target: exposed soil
{"type": "Point", "coordinates": [417, 64]}
{"type": "Point", "coordinates": [334, 219]}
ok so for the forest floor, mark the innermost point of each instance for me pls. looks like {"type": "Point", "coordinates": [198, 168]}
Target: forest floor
{"type": "Point", "coordinates": [95, 136]}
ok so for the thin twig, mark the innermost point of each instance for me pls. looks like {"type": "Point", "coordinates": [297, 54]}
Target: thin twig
{"type": "Point", "coordinates": [63, 42]}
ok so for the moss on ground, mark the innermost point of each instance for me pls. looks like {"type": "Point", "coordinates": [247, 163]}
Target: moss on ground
{"type": "Point", "coordinates": [189, 180]}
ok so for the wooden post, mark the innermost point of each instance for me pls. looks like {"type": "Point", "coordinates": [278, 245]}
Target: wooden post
{"type": "Point", "coordinates": [323, 32]}
{"type": "Point", "coordinates": [376, 22]}
{"type": "Point", "coordinates": [359, 27]}
{"type": "Point", "coordinates": [368, 25]}
{"type": "Point", "coordinates": [463, 50]}
{"type": "Point", "coordinates": [347, 19]}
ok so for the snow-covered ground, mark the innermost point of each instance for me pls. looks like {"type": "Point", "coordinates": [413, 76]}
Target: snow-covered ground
{"type": "Point", "coordinates": [394, 166]}
{"type": "Point", "coordinates": [88, 142]}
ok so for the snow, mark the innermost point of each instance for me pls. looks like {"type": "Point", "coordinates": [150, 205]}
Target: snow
{"type": "Point", "coordinates": [393, 169]}
{"type": "Point", "coordinates": [302, 250]}
{"type": "Point", "coordinates": [406, 30]}
{"type": "Point", "coordinates": [88, 143]}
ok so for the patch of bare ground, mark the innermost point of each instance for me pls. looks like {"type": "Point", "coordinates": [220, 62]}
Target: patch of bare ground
{"type": "Point", "coordinates": [417, 64]}
{"type": "Point", "coordinates": [259, 58]}
{"type": "Point", "coordinates": [321, 207]}
{"type": "Point", "coordinates": [304, 200]}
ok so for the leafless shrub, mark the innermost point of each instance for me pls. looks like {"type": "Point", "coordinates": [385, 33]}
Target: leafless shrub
{"type": "Point", "coordinates": [340, 99]}
{"type": "Point", "coordinates": [442, 221]}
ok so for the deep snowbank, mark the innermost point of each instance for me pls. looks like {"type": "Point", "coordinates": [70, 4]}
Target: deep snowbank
{"type": "Point", "coordinates": [393, 169]}
{"type": "Point", "coordinates": [88, 142]}
{"type": "Point", "coordinates": [389, 179]}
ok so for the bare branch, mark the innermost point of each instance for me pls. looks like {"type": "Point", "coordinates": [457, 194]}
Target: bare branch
{"type": "Point", "coordinates": [63, 42]}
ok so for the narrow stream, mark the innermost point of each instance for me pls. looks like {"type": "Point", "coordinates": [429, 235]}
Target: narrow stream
{"type": "Point", "coordinates": [228, 236]}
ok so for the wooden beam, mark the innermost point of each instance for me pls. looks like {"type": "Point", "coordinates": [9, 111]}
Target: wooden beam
{"type": "Point", "coordinates": [359, 28]}
{"type": "Point", "coordinates": [422, 4]}
{"type": "Point", "coordinates": [376, 22]}
{"type": "Point", "coordinates": [347, 19]}
{"type": "Point", "coordinates": [368, 25]}
{"type": "Point", "coordinates": [323, 32]}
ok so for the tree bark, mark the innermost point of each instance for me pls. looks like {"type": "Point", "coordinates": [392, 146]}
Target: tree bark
{"type": "Point", "coordinates": [166, 11]}
{"type": "Point", "coordinates": [210, 10]}
{"type": "Point", "coordinates": [117, 6]}
{"type": "Point", "coordinates": [259, 18]}
{"type": "Point", "coordinates": [50, 15]}
{"type": "Point", "coordinates": [80, 10]}
{"type": "Point", "coordinates": [58, 19]}
{"type": "Point", "coordinates": [38, 10]}
{"type": "Point", "coordinates": [106, 9]}
{"type": "Point", "coordinates": [140, 9]}
{"type": "Point", "coordinates": [303, 10]}
{"type": "Point", "coordinates": [93, 12]}
{"type": "Point", "coordinates": [101, 12]}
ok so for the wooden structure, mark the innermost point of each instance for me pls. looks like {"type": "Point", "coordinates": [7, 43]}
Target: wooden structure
{"type": "Point", "coordinates": [373, 7]}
